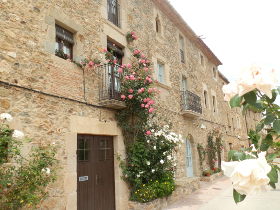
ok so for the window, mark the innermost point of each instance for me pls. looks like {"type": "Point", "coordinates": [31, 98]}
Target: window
{"type": "Point", "coordinates": [182, 47]}
{"type": "Point", "coordinates": [113, 8]}
{"type": "Point", "coordinates": [83, 149]}
{"type": "Point", "coordinates": [232, 123]}
{"type": "Point", "coordinates": [205, 98]}
{"type": "Point", "coordinates": [184, 83]}
{"type": "Point", "coordinates": [158, 25]}
{"type": "Point", "coordinates": [214, 73]}
{"type": "Point", "coordinates": [230, 146]}
{"type": "Point", "coordinates": [161, 76]}
{"type": "Point", "coordinates": [201, 59]}
{"type": "Point", "coordinates": [214, 103]}
{"type": "Point", "coordinates": [64, 43]}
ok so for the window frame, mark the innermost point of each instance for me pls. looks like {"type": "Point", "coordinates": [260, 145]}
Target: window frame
{"type": "Point", "coordinates": [64, 38]}
{"type": "Point", "coordinates": [114, 18]}
{"type": "Point", "coordinates": [182, 48]}
{"type": "Point", "coordinates": [163, 81]}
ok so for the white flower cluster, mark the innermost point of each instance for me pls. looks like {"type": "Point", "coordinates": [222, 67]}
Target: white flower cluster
{"type": "Point", "coordinates": [170, 136]}
{"type": "Point", "coordinates": [263, 79]}
{"type": "Point", "coordinates": [7, 117]}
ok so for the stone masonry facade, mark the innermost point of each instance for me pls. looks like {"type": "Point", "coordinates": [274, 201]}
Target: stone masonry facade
{"type": "Point", "coordinates": [53, 100]}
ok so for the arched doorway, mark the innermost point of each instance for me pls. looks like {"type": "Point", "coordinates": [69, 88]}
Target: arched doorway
{"type": "Point", "coordinates": [189, 159]}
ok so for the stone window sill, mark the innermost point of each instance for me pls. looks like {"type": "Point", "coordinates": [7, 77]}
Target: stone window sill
{"type": "Point", "coordinates": [112, 25]}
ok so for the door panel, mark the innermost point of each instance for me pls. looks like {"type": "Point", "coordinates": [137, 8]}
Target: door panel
{"type": "Point", "coordinates": [95, 170]}
{"type": "Point", "coordinates": [189, 162]}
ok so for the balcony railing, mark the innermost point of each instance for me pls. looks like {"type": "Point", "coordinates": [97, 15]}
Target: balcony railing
{"type": "Point", "coordinates": [191, 104]}
{"type": "Point", "coordinates": [114, 12]}
{"type": "Point", "coordinates": [110, 86]}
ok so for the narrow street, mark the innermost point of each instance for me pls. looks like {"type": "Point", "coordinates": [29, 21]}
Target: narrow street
{"type": "Point", "coordinates": [218, 196]}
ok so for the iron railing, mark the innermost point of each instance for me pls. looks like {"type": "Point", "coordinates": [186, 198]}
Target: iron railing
{"type": "Point", "coordinates": [110, 85]}
{"type": "Point", "coordinates": [114, 12]}
{"type": "Point", "coordinates": [191, 102]}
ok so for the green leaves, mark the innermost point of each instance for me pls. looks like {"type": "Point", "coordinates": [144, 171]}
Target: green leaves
{"type": "Point", "coordinates": [273, 176]}
{"type": "Point", "coordinates": [269, 119]}
{"type": "Point", "coordinates": [266, 142]}
{"type": "Point", "coordinates": [235, 101]}
{"type": "Point", "coordinates": [276, 126]}
{"type": "Point", "coordinates": [250, 98]}
{"type": "Point", "coordinates": [238, 197]}
{"type": "Point", "coordinates": [234, 155]}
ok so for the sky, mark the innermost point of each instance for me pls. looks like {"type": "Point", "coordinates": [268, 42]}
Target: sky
{"type": "Point", "coordinates": [239, 32]}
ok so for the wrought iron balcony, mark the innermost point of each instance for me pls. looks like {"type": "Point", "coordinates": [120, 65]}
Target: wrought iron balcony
{"type": "Point", "coordinates": [114, 12]}
{"type": "Point", "coordinates": [110, 86]}
{"type": "Point", "coordinates": [191, 104]}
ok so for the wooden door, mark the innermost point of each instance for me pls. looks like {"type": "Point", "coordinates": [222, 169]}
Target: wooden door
{"type": "Point", "coordinates": [95, 173]}
{"type": "Point", "coordinates": [189, 162]}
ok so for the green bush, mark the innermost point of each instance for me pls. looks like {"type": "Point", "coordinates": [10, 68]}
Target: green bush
{"type": "Point", "coordinates": [23, 180]}
{"type": "Point", "coordinates": [152, 190]}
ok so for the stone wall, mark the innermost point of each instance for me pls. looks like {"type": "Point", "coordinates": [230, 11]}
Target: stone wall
{"type": "Point", "coordinates": [27, 40]}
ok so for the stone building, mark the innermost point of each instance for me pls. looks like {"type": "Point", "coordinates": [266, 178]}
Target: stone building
{"type": "Point", "coordinates": [54, 100]}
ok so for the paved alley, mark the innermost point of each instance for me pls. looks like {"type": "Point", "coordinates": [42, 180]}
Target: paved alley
{"type": "Point", "coordinates": [218, 196]}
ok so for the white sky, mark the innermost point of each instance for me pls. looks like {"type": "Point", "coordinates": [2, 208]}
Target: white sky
{"type": "Point", "coordinates": [239, 32]}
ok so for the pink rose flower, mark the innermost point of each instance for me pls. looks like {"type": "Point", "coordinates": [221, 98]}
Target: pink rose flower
{"type": "Point", "coordinates": [120, 70]}
{"type": "Point", "coordinates": [151, 102]}
{"type": "Point", "coordinates": [143, 56]}
{"type": "Point", "coordinates": [130, 91]}
{"type": "Point", "coordinates": [132, 33]}
{"type": "Point", "coordinates": [91, 63]}
{"type": "Point", "coordinates": [123, 66]}
{"type": "Point", "coordinates": [104, 50]}
{"type": "Point", "coordinates": [128, 65]}
{"type": "Point", "coordinates": [131, 77]}
{"type": "Point", "coordinates": [147, 106]}
{"type": "Point", "coordinates": [126, 77]}
{"type": "Point", "coordinates": [136, 51]}
{"type": "Point", "coordinates": [123, 97]}
{"type": "Point", "coordinates": [145, 69]}
{"type": "Point", "coordinates": [115, 61]}
{"type": "Point", "coordinates": [130, 96]}
{"type": "Point", "coordinates": [148, 132]}
{"type": "Point", "coordinates": [151, 110]}
{"type": "Point", "coordinates": [150, 90]}
{"type": "Point", "coordinates": [142, 105]}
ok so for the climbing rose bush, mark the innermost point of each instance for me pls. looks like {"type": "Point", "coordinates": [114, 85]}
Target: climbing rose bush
{"type": "Point", "coordinates": [253, 169]}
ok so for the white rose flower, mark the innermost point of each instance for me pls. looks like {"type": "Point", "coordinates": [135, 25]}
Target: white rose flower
{"type": "Point", "coordinates": [155, 147]}
{"type": "Point", "coordinates": [148, 163]}
{"type": "Point", "coordinates": [46, 170]}
{"type": "Point", "coordinates": [230, 90]}
{"type": "Point", "coordinates": [253, 148]}
{"type": "Point", "coordinates": [169, 157]}
{"type": "Point", "coordinates": [153, 170]}
{"type": "Point", "coordinates": [18, 134]}
{"type": "Point", "coordinates": [138, 175]}
{"type": "Point", "coordinates": [153, 130]}
{"type": "Point", "coordinates": [161, 161]}
{"type": "Point", "coordinates": [6, 116]}
{"type": "Point", "coordinates": [249, 175]}
{"type": "Point", "coordinates": [148, 141]}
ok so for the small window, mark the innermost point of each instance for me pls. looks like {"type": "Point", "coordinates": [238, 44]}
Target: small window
{"type": "Point", "coordinates": [232, 120]}
{"type": "Point", "coordinates": [161, 76]}
{"type": "Point", "coordinates": [230, 146]}
{"type": "Point", "coordinates": [184, 83]}
{"type": "Point", "coordinates": [83, 150]}
{"type": "Point", "coordinates": [64, 43]}
{"type": "Point", "coordinates": [182, 49]}
{"type": "Point", "coordinates": [158, 25]}
{"type": "Point", "coordinates": [201, 60]}
{"type": "Point", "coordinates": [205, 98]}
{"type": "Point", "coordinates": [214, 103]}
{"type": "Point", "coordinates": [113, 8]}
{"type": "Point", "coordinates": [214, 72]}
